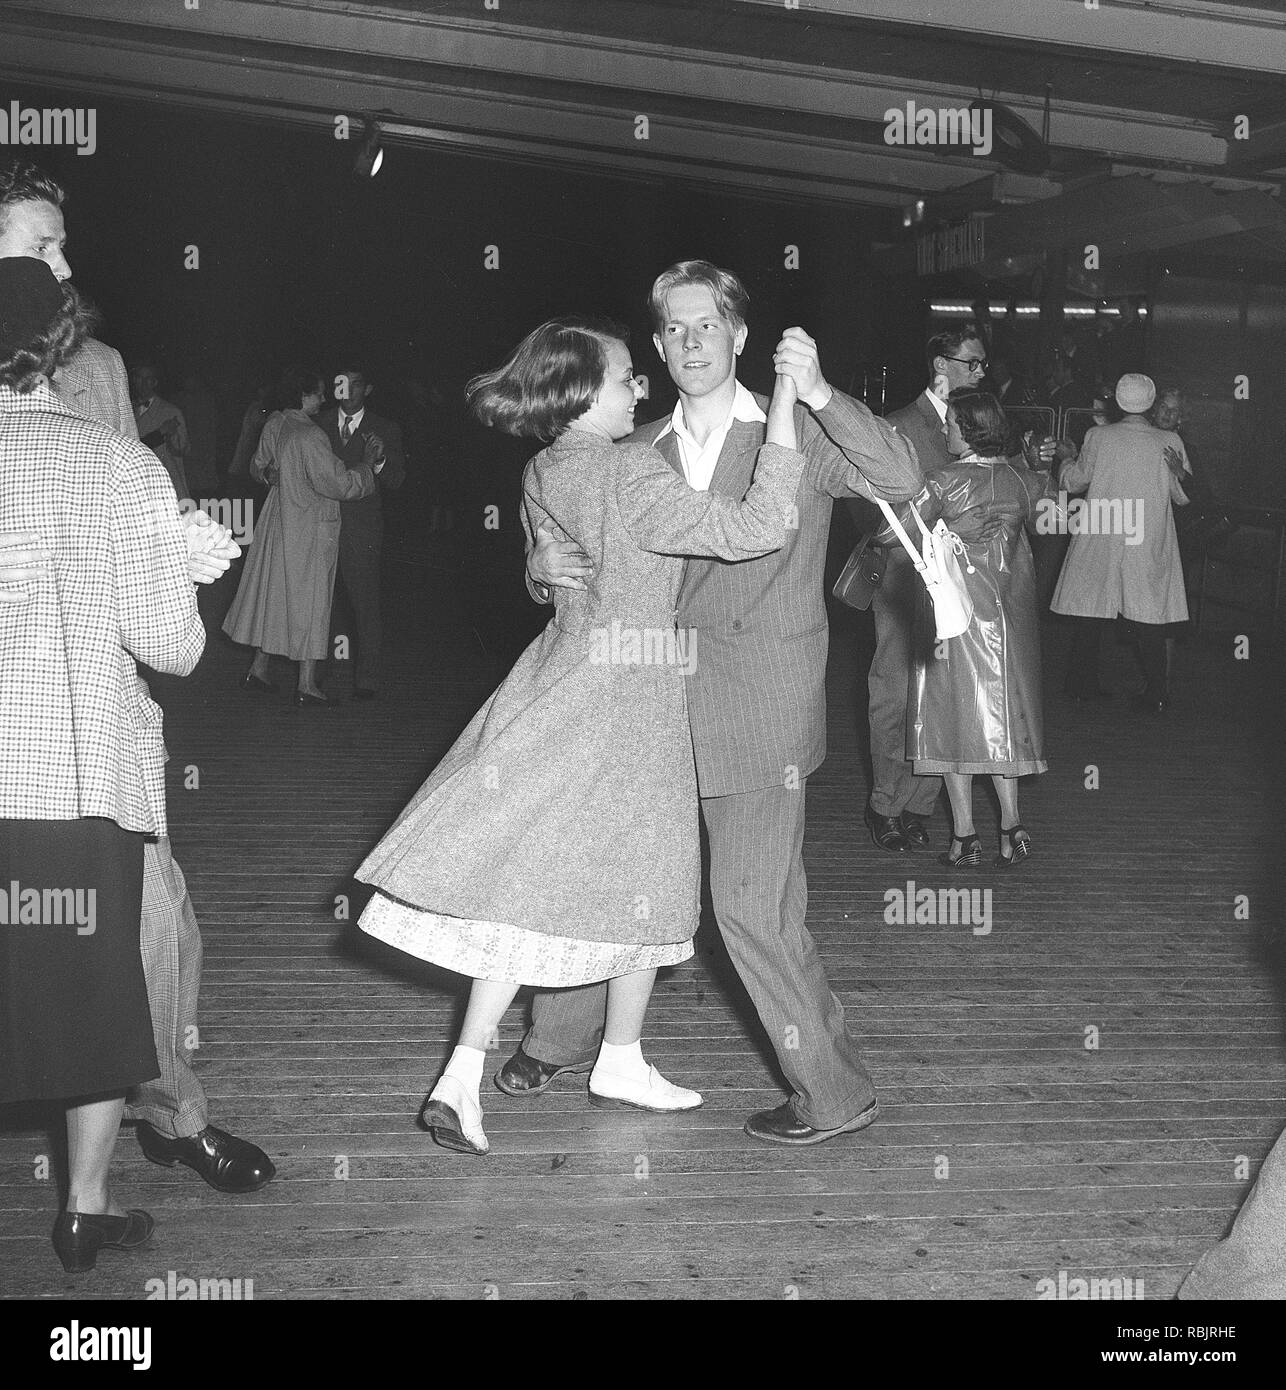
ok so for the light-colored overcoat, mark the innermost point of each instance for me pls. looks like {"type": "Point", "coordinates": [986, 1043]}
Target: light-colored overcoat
{"type": "Point", "coordinates": [283, 602]}
{"type": "Point", "coordinates": [1131, 566]}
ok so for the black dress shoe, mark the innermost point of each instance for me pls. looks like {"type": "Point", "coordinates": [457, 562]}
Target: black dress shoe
{"type": "Point", "coordinates": [252, 682]}
{"type": "Point", "coordinates": [915, 830]}
{"type": "Point", "coordinates": [364, 692]}
{"type": "Point", "coordinates": [224, 1161]}
{"type": "Point", "coordinates": [79, 1236]}
{"type": "Point", "coordinates": [525, 1075]}
{"type": "Point", "coordinates": [887, 832]}
{"type": "Point", "coordinates": [306, 697]}
{"type": "Point", "coordinates": [783, 1126]}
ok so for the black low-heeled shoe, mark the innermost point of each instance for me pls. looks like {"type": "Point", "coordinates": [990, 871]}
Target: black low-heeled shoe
{"type": "Point", "coordinates": [261, 687]}
{"type": "Point", "coordinates": [970, 856]}
{"type": "Point", "coordinates": [305, 697]}
{"type": "Point", "coordinates": [1018, 849]}
{"type": "Point", "coordinates": [79, 1236]}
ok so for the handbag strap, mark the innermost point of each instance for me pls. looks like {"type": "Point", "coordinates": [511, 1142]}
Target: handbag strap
{"type": "Point", "coordinates": [917, 559]}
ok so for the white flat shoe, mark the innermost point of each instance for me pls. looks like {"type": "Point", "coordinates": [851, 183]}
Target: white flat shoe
{"type": "Point", "coordinates": [607, 1089]}
{"type": "Point", "coordinates": [454, 1118]}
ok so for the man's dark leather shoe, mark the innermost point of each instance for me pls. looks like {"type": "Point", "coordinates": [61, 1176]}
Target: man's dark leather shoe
{"type": "Point", "coordinates": [224, 1161]}
{"type": "Point", "coordinates": [783, 1126]}
{"type": "Point", "coordinates": [886, 831]}
{"type": "Point", "coordinates": [915, 830]}
{"type": "Point", "coordinates": [525, 1075]}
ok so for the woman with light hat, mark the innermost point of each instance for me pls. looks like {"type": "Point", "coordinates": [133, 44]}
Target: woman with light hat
{"type": "Point", "coordinates": [1123, 560]}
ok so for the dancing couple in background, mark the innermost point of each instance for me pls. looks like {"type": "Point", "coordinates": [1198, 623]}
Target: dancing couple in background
{"type": "Point", "coordinates": [557, 843]}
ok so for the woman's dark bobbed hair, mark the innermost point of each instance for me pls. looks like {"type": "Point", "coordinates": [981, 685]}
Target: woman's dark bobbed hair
{"type": "Point", "coordinates": [981, 420]}
{"type": "Point", "coordinates": [552, 378]}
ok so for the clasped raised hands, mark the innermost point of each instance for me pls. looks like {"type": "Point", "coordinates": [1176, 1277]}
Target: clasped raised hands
{"type": "Point", "coordinates": [796, 357]}
{"type": "Point", "coordinates": [211, 548]}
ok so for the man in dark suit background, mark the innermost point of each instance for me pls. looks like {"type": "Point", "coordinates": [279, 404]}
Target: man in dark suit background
{"type": "Point", "coordinates": [900, 801]}
{"type": "Point", "coordinates": [756, 698]}
{"type": "Point", "coordinates": [348, 423]}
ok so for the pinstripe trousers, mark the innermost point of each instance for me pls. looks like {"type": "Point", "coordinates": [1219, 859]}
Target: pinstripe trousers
{"type": "Point", "coordinates": [760, 898]}
{"type": "Point", "coordinates": [175, 1103]}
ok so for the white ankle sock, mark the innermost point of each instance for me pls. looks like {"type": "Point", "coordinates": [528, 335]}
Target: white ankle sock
{"type": "Point", "coordinates": [622, 1059]}
{"type": "Point", "coordinates": [466, 1067]}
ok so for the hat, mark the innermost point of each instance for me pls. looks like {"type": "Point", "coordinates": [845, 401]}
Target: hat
{"type": "Point", "coordinates": [30, 296]}
{"type": "Point", "coordinates": [1135, 393]}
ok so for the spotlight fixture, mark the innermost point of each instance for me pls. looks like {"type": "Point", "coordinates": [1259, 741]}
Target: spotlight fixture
{"type": "Point", "coordinates": [370, 155]}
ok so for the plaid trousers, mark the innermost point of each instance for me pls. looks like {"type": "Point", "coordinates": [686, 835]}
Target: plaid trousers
{"type": "Point", "coordinates": [175, 1103]}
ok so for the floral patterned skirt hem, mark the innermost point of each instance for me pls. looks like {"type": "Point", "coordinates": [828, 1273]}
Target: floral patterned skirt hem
{"type": "Point", "coordinates": [500, 951]}
{"type": "Point", "coordinates": [1028, 768]}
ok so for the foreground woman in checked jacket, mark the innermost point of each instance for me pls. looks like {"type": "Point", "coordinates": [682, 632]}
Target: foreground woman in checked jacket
{"type": "Point", "coordinates": [556, 843]}
{"type": "Point", "coordinates": [107, 583]}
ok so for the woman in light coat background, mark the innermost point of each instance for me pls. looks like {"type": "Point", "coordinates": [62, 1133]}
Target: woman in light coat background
{"type": "Point", "coordinates": [282, 607]}
{"type": "Point", "coordinates": [1125, 561]}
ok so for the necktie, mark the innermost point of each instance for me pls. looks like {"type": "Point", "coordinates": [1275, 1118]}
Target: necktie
{"type": "Point", "coordinates": [346, 430]}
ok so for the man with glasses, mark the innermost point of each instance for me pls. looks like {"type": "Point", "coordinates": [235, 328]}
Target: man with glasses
{"type": "Point", "coordinates": [900, 801]}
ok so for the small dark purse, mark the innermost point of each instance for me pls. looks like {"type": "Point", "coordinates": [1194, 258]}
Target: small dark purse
{"type": "Point", "coordinates": [863, 574]}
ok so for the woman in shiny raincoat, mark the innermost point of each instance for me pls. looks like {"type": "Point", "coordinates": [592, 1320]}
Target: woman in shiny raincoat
{"type": "Point", "coordinates": [974, 703]}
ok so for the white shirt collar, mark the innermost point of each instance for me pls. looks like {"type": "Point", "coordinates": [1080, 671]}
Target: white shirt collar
{"type": "Point", "coordinates": [353, 420]}
{"type": "Point", "coordinates": [744, 408]}
{"type": "Point", "coordinates": [938, 404]}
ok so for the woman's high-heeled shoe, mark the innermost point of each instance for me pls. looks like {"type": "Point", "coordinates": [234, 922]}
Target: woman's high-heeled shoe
{"type": "Point", "coordinates": [261, 687]}
{"type": "Point", "coordinates": [454, 1118]}
{"type": "Point", "coordinates": [306, 697]}
{"type": "Point", "coordinates": [1018, 849]}
{"type": "Point", "coordinates": [79, 1236]}
{"type": "Point", "coordinates": [970, 856]}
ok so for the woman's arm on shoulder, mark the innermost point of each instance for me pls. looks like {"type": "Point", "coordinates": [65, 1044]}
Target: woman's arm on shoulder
{"type": "Point", "coordinates": [1077, 474]}
{"type": "Point", "coordinates": [663, 514]}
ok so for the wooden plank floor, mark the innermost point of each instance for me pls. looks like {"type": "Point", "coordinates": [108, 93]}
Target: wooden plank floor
{"type": "Point", "coordinates": [1008, 1149]}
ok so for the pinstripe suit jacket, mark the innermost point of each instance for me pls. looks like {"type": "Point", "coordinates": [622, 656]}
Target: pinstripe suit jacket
{"type": "Point", "coordinates": [94, 385]}
{"type": "Point", "coordinates": [757, 700]}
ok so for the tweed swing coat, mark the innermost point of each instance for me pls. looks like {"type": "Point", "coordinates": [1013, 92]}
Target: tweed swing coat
{"type": "Point", "coordinates": [568, 806]}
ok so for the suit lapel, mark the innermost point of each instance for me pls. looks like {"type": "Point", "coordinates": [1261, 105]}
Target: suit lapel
{"type": "Point", "coordinates": [743, 436]}
{"type": "Point", "coordinates": [668, 447]}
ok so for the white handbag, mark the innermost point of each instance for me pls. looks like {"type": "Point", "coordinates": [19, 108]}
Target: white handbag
{"type": "Point", "coordinates": [939, 566]}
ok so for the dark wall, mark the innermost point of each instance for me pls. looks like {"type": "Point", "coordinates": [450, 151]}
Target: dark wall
{"type": "Point", "coordinates": [299, 260]}
{"type": "Point", "coordinates": [1206, 333]}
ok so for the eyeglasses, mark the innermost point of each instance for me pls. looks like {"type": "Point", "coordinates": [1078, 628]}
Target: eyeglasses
{"type": "Point", "coordinates": [975, 364]}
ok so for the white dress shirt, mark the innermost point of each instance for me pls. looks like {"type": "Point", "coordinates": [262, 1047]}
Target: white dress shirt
{"type": "Point", "coordinates": [353, 422]}
{"type": "Point", "coordinates": [699, 460]}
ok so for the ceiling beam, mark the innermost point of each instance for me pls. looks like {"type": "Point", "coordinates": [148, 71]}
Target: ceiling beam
{"type": "Point", "coordinates": [1183, 31]}
{"type": "Point", "coordinates": [340, 35]}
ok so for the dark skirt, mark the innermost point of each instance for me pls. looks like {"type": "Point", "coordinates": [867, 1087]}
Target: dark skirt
{"type": "Point", "coordinates": [74, 1018]}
